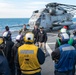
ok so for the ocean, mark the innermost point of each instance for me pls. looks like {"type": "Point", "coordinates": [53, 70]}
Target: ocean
{"type": "Point", "coordinates": [15, 24]}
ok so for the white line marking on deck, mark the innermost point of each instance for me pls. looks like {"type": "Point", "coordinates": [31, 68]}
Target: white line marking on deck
{"type": "Point", "coordinates": [48, 49]}
{"type": "Point", "coordinates": [51, 43]}
{"type": "Point", "coordinates": [52, 33]}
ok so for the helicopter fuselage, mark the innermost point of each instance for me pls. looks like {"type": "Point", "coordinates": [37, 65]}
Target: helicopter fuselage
{"type": "Point", "coordinates": [50, 17]}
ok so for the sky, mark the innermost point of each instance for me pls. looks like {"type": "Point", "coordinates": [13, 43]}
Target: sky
{"type": "Point", "coordinates": [25, 8]}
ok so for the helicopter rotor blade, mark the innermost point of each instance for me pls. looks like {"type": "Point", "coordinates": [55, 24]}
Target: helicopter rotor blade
{"type": "Point", "coordinates": [67, 5]}
{"type": "Point", "coordinates": [59, 4]}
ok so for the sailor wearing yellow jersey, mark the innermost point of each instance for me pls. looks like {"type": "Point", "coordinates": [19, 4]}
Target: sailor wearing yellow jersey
{"type": "Point", "coordinates": [29, 57]}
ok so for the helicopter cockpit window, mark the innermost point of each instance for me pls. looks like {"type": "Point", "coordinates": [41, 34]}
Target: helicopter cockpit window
{"type": "Point", "coordinates": [35, 16]}
{"type": "Point", "coordinates": [46, 11]}
{"type": "Point", "coordinates": [36, 11]}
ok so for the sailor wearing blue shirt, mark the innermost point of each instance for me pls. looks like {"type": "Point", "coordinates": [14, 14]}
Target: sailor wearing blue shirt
{"type": "Point", "coordinates": [64, 57]}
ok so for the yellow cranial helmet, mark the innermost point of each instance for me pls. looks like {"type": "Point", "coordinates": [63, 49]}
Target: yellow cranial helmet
{"type": "Point", "coordinates": [29, 37]}
{"type": "Point", "coordinates": [1, 40]}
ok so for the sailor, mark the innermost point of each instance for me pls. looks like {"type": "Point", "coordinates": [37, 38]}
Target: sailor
{"type": "Point", "coordinates": [73, 39]}
{"type": "Point", "coordinates": [19, 38]}
{"type": "Point", "coordinates": [7, 30]}
{"type": "Point", "coordinates": [4, 67]}
{"type": "Point", "coordinates": [65, 58]}
{"type": "Point", "coordinates": [42, 39]}
{"type": "Point", "coordinates": [73, 42]}
{"type": "Point", "coordinates": [18, 43]}
{"type": "Point", "coordinates": [24, 30]}
{"type": "Point", "coordinates": [29, 57]}
{"type": "Point", "coordinates": [35, 31]}
{"type": "Point", "coordinates": [59, 42]}
{"type": "Point", "coordinates": [8, 48]}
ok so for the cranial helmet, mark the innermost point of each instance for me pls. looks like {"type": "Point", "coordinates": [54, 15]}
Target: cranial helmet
{"type": "Point", "coordinates": [7, 34]}
{"type": "Point", "coordinates": [63, 30]}
{"type": "Point", "coordinates": [19, 37]}
{"type": "Point", "coordinates": [64, 37]}
{"type": "Point", "coordinates": [29, 37]}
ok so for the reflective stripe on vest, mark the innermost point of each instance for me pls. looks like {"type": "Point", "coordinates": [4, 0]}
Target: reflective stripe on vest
{"type": "Point", "coordinates": [68, 48]}
{"type": "Point", "coordinates": [28, 61]}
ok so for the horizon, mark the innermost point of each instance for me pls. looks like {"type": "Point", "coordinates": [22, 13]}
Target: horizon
{"type": "Point", "coordinates": [23, 18]}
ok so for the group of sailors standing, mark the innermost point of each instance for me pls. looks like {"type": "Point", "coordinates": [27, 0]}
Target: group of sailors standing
{"type": "Point", "coordinates": [22, 57]}
{"type": "Point", "coordinates": [28, 52]}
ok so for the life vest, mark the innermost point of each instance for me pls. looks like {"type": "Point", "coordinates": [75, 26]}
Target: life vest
{"type": "Point", "coordinates": [28, 61]}
{"type": "Point", "coordinates": [59, 43]}
{"type": "Point", "coordinates": [70, 41]}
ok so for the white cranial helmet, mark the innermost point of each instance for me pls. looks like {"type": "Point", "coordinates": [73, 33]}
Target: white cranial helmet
{"type": "Point", "coordinates": [29, 37]}
{"type": "Point", "coordinates": [5, 34]}
{"type": "Point", "coordinates": [18, 37]}
{"type": "Point", "coordinates": [63, 30]}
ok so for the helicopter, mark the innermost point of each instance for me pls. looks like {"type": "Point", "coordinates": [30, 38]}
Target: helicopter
{"type": "Point", "coordinates": [53, 15]}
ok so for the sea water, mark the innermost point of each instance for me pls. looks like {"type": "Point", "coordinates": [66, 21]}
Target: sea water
{"type": "Point", "coordinates": [13, 23]}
